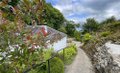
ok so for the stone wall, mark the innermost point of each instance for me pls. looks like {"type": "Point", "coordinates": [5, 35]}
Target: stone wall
{"type": "Point", "coordinates": [103, 61]}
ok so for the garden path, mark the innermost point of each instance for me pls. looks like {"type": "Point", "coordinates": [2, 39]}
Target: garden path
{"type": "Point", "coordinates": [81, 63]}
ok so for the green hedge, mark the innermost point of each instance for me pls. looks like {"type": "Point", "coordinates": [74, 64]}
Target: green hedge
{"type": "Point", "coordinates": [70, 52]}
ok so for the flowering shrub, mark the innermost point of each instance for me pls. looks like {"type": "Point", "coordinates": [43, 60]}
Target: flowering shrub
{"type": "Point", "coordinates": [18, 51]}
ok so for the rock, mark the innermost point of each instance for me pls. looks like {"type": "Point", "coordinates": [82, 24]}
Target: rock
{"type": "Point", "coordinates": [104, 61]}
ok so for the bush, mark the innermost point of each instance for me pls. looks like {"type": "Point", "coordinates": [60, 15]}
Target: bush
{"type": "Point", "coordinates": [87, 37]}
{"type": "Point", "coordinates": [40, 69]}
{"type": "Point", "coordinates": [70, 52]}
{"type": "Point", "coordinates": [56, 66]}
{"type": "Point", "coordinates": [5, 68]}
{"type": "Point", "coordinates": [105, 34]}
{"type": "Point", "coordinates": [115, 24]}
{"type": "Point", "coordinates": [77, 35]}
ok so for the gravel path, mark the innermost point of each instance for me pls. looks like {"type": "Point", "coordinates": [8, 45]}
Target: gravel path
{"type": "Point", "coordinates": [81, 63]}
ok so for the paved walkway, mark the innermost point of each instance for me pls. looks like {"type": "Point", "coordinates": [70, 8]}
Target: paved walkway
{"type": "Point", "coordinates": [81, 63]}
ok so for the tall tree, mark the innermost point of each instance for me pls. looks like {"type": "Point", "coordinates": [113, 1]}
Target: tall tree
{"type": "Point", "coordinates": [54, 17]}
{"type": "Point", "coordinates": [90, 25]}
{"type": "Point", "coordinates": [70, 28]}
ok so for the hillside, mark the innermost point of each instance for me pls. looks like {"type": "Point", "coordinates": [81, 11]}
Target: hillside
{"type": "Point", "coordinates": [101, 54]}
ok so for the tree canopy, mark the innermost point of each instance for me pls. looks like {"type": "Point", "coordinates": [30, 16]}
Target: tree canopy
{"type": "Point", "coordinates": [90, 25]}
{"type": "Point", "coordinates": [70, 28]}
{"type": "Point", "coordinates": [109, 20]}
{"type": "Point", "coordinates": [53, 17]}
{"type": "Point", "coordinates": [27, 10]}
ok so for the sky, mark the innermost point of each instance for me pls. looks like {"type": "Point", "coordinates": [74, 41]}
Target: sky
{"type": "Point", "coordinates": [80, 10]}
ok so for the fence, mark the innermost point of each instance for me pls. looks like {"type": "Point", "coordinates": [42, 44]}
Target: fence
{"type": "Point", "coordinates": [47, 61]}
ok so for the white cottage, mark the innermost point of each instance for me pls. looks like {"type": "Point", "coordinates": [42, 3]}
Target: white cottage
{"type": "Point", "coordinates": [53, 38]}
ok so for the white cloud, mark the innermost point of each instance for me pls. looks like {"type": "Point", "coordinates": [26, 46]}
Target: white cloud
{"type": "Point", "coordinates": [62, 8]}
{"type": "Point", "coordinates": [99, 9]}
{"type": "Point", "coordinates": [114, 11]}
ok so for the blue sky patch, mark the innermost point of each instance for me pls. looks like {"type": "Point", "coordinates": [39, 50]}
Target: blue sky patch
{"type": "Point", "coordinates": [80, 10]}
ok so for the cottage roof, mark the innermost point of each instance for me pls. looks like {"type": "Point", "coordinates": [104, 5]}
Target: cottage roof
{"type": "Point", "coordinates": [52, 34]}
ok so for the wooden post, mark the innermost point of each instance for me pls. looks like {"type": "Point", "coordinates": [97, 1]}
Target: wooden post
{"type": "Point", "coordinates": [64, 55]}
{"type": "Point", "coordinates": [49, 66]}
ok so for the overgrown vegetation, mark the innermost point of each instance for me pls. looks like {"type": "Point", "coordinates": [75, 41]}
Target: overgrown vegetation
{"type": "Point", "coordinates": [17, 53]}
{"type": "Point", "coordinates": [56, 66]}
{"type": "Point", "coordinates": [77, 35]}
{"type": "Point", "coordinates": [105, 34]}
{"type": "Point", "coordinates": [57, 63]}
{"type": "Point", "coordinates": [53, 17]}
{"type": "Point", "coordinates": [35, 10]}
{"type": "Point", "coordinates": [69, 54]}
{"type": "Point", "coordinates": [100, 31]}
{"type": "Point", "coordinates": [108, 31]}
{"type": "Point", "coordinates": [91, 25]}
{"type": "Point", "coordinates": [87, 37]}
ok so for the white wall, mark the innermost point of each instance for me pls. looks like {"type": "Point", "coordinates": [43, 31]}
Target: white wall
{"type": "Point", "coordinates": [59, 44]}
